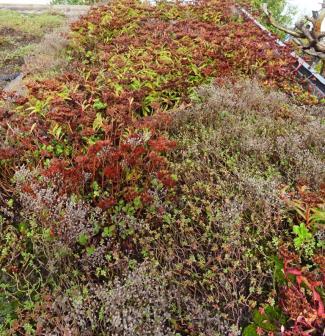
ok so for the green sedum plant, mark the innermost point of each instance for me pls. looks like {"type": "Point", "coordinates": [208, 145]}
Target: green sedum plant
{"type": "Point", "coordinates": [304, 241]}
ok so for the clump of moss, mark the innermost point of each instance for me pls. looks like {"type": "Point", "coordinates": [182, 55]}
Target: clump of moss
{"type": "Point", "coordinates": [22, 33]}
{"type": "Point", "coordinates": [31, 24]}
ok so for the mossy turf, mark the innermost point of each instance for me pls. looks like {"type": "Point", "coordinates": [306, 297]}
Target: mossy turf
{"type": "Point", "coordinates": [19, 35]}
{"type": "Point", "coordinates": [32, 24]}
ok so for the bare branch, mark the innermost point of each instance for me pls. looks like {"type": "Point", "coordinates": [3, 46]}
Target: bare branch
{"type": "Point", "coordinates": [300, 25]}
{"type": "Point", "coordinates": [320, 46]}
{"type": "Point", "coordinates": [313, 52]}
{"type": "Point", "coordinates": [298, 42]}
{"type": "Point", "coordinates": [310, 19]}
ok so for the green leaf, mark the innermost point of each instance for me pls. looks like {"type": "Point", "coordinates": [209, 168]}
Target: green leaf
{"type": "Point", "coordinates": [250, 331]}
{"type": "Point", "coordinates": [164, 58]}
{"type": "Point", "coordinates": [118, 88]}
{"type": "Point", "coordinates": [10, 203]}
{"type": "Point", "coordinates": [137, 203]}
{"type": "Point", "coordinates": [57, 132]}
{"type": "Point", "coordinates": [278, 270]}
{"type": "Point", "coordinates": [7, 306]}
{"type": "Point", "coordinates": [136, 84]}
{"type": "Point", "coordinates": [303, 235]}
{"type": "Point", "coordinates": [90, 250]}
{"type": "Point", "coordinates": [99, 105]}
{"type": "Point", "coordinates": [269, 320]}
{"type": "Point", "coordinates": [174, 177]}
{"type": "Point", "coordinates": [262, 321]}
{"type": "Point", "coordinates": [300, 230]}
{"type": "Point", "coordinates": [22, 227]}
{"type": "Point", "coordinates": [108, 231]}
{"type": "Point", "coordinates": [275, 315]}
{"type": "Point", "coordinates": [49, 148]}
{"type": "Point", "coordinates": [83, 239]}
{"type": "Point", "coordinates": [98, 122]}
{"type": "Point", "coordinates": [318, 216]}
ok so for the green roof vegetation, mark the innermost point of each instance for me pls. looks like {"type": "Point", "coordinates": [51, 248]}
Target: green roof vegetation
{"type": "Point", "coordinates": [169, 181]}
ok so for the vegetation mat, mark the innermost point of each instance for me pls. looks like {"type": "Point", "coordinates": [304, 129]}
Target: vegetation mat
{"type": "Point", "coordinates": [168, 182]}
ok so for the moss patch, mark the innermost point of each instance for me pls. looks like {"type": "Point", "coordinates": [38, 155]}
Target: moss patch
{"type": "Point", "coordinates": [31, 24]}
{"type": "Point", "coordinates": [19, 34]}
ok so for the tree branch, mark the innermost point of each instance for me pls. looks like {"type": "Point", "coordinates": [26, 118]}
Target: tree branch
{"type": "Point", "coordinates": [273, 22]}
{"type": "Point", "coordinates": [300, 25]}
{"type": "Point", "coordinates": [313, 52]}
